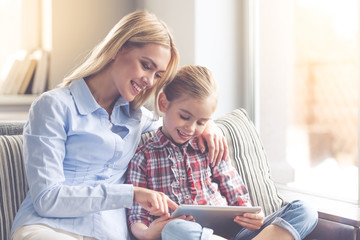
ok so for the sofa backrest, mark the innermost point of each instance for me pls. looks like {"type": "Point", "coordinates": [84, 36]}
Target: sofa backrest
{"type": "Point", "coordinates": [245, 149]}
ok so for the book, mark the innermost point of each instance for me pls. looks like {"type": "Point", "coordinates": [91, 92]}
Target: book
{"type": "Point", "coordinates": [40, 79]}
{"type": "Point", "coordinates": [28, 76]}
{"type": "Point", "coordinates": [10, 76]}
{"type": "Point", "coordinates": [22, 68]}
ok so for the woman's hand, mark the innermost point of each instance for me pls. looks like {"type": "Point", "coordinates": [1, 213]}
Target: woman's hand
{"type": "Point", "coordinates": [251, 221]}
{"type": "Point", "coordinates": [215, 142]}
{"type": "Point", "coordinates": [157, 203]}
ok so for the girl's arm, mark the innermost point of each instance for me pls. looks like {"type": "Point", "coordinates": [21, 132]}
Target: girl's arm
{"type": "Point", "coordinates": [230, 184]}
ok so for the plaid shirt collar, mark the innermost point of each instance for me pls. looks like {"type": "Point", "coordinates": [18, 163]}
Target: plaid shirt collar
{"type": "Point", "coordinates": [161, 141]}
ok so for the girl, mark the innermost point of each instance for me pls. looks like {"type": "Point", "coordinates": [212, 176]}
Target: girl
{"type": "Point", "coordinates": [172, 163]}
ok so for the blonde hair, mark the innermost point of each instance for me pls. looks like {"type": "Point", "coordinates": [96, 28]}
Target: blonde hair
{"type": "Point", "coordinates": [192, 81]}
{"type": "Point", "coordinates": [134, 30]}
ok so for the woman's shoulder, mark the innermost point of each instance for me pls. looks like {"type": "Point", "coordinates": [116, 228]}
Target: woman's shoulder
{"type": "Point", "coordinates": [60, 95]}
{"type": "Point", "coordinates": [58, 99]}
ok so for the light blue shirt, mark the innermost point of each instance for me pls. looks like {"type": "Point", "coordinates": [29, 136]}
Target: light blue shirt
{"type": "Point", "coordinates": [76, 159]}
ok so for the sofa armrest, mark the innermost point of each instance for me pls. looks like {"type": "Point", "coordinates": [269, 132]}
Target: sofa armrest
{"type": "Point", "coordinates": [13, 182]}
{"type": "Point", "coordinates": [11, 127]}
{"type": "Point", "coordinates": [330, 230]}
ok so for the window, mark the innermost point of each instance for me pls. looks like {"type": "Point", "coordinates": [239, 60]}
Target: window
{"type": "Point", "coordinates": [323, 126]}
{"type": "Point", "coordinates": [308, 74]}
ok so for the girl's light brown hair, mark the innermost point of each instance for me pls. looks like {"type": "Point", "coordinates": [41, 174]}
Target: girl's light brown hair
{"type": "Point", "coordinates": [134, 30]}
{"type": "Point", "coordinates": [192, 81]}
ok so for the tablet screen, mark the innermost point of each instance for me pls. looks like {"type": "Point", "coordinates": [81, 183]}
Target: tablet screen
{"type": "Point", "coordinates": [219, 218]}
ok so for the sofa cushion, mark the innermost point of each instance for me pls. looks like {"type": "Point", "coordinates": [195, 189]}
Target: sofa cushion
{"type": "Point", "coordinates": [249, 158]}
{"type": "Point", "coordinates": [13, 184]}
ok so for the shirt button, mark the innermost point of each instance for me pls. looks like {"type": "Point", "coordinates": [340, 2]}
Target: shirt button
{"type": "Point", "coordinates": [113, 205]}
{"type": "Point", "coordinates": [110, 125]}
{"type": "Point", "coordinates": [187, 197]}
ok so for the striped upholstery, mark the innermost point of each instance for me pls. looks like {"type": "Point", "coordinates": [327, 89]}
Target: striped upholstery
{"type": "Point", "coordinates": [13, 184]}
{"type": "Point", "coordinates": [249, 158]}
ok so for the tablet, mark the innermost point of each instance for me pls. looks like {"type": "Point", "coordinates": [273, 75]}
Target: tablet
{"type": "Point", "coordinates": [219, 218]}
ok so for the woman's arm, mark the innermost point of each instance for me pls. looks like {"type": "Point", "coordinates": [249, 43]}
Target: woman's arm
{"type": "Point", "coordinates": [45, 137]}
{"type": "Point", "coordinates": [213, 138]}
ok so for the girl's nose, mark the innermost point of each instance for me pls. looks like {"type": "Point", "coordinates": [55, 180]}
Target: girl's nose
{"type": "Point", "coordinates": [190, 127]}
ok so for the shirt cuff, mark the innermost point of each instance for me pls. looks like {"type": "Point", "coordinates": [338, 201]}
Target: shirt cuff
{"type": "Point", "coordinates": [121, 196]}
{"type": "Point", "coordinates": [206, 233]}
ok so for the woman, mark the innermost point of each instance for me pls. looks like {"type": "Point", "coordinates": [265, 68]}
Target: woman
{"type": "Point", "coordinates": [80, 137]}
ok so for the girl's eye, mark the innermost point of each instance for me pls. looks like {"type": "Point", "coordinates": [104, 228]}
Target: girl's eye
{"type": "Point", "coordinates": [184, 118]}
{"type": "Point", "coordinates": [201, 123]}
{"type": "Point", "coordinates": [158, 76]}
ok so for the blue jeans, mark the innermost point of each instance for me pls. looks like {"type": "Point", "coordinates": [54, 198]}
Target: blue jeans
{"type": "Point", "coordinates": [297, 217]}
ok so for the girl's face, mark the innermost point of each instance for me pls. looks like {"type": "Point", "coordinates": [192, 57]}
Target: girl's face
{"type": "Point", "coordinates": [186, 117]}
{"type": "Point", "coordinates": [138, 68]}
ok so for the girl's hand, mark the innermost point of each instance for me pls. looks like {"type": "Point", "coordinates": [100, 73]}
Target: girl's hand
{"type": "Point", "coordinates": [155, 228]}
{"type": "Point", "coordinates": [157, 203]}
{"type": "Point", "coordinates": [251, 221]}
{"type": "Point", "coordinates": [215, 141]}
{"type": "Point", "coordinates": [153, 232]}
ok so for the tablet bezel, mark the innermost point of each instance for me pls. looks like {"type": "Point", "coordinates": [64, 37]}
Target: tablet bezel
{"type": "Point", "coordinates": [223, 211]}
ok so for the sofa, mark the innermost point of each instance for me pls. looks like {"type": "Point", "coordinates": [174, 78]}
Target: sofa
{"type": "Point", "coordinates": [245, 149]}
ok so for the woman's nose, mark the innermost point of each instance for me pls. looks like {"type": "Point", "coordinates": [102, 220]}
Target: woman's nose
{"type": "Point", "coordinates": [148, 80]}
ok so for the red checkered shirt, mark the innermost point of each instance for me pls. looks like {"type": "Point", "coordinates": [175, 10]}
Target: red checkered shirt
{"type": "Point", "coordinates": [184, 174]}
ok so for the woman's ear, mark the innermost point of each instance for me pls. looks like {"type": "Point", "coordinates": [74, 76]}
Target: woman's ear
{"type": "Point", "coordinates": [162, 102]}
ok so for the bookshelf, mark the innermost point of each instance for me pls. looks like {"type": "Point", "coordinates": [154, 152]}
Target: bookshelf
{"type": "Point", "coordinates": [15, 107]}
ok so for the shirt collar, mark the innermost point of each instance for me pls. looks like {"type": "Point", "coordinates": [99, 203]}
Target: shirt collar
{"type": "Point", "coordinates": [162, 141]}
{"type": "Point", "coordinates": [85, 101]}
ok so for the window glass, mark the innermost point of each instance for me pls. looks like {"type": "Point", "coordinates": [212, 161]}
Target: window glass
{"type": "Point", "coordinates": [323, 125]}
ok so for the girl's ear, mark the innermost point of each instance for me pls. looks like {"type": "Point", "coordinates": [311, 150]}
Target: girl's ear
{"type": "Point", "coordinates": [163, 102]}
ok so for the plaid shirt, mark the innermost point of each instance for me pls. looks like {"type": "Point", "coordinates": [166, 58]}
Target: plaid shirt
{"type": "Point", "coordinates": [184, 174]}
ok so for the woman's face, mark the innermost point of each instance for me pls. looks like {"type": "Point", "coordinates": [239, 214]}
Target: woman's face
{"type": "Point", "coordinates": [138, 68]}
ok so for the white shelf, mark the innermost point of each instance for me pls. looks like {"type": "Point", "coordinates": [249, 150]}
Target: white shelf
{"type": "Point", "coordinates": [15, 100]}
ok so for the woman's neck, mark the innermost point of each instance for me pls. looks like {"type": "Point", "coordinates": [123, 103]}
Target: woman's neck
{"type": "Point", "coordinates": [102, 92]}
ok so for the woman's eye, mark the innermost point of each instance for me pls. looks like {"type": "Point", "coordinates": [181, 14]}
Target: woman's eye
{"type": "Point", "coordinates": [145, 65]}
{"type": "Point", "coordinates": [184, 118]}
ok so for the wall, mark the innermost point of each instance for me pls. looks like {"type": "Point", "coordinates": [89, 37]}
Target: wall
{"type": "Point", "coordinates": [208, 32]}
{"type": "Point", "coordinates": [274, 69]}
{"type": "Point", "coordinates": [73, 28]}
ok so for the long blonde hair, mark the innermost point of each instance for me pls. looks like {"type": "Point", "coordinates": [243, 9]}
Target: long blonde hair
{"type": "Point", "coordinates": [135, 29]}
